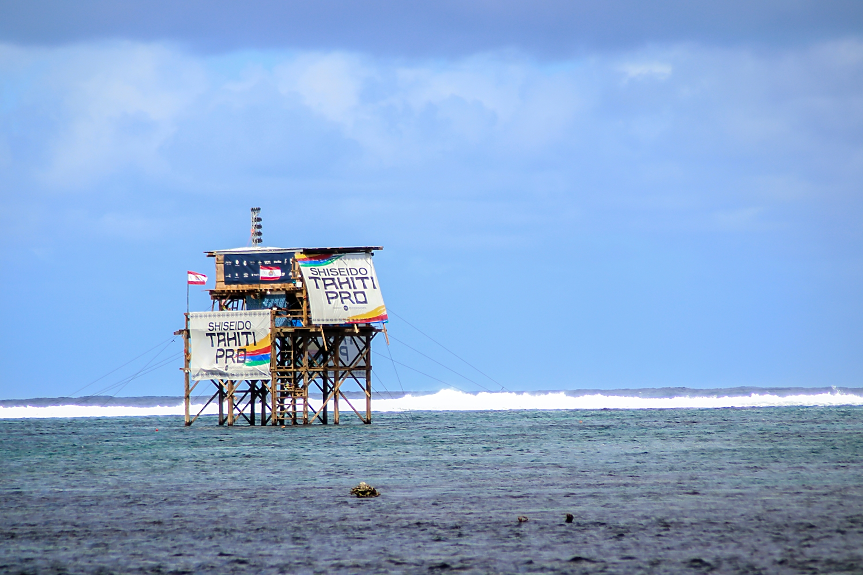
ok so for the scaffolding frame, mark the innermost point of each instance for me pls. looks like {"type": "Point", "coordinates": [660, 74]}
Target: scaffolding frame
{"type": "Point", "coordinates": [305, 360]}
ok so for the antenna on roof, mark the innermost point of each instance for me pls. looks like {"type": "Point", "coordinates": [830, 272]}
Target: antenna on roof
{"type": "Point", "coordinates": [256, 227]}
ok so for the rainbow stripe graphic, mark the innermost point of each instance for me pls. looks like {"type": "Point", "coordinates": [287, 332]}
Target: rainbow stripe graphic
{"type": "Point", "coordinates": [377, 314]}
{"type": "Point", "coordinates": [317, 260]}
{"type": "Point", "coordinates": [259, 354]}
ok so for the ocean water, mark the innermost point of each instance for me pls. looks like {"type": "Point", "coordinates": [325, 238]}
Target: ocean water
{"type": "Point", "coordinates": [775, 489]}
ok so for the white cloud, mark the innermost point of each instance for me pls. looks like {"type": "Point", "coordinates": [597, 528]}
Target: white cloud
{"type": "Point", "coordinates": [329, 84]}
{"type": "Point", "coordinates": [491, 83]}
{"type": "Point", "coordinates": [118, 106]}
{"type": "Point", "coordinates": [644, 70]}
{"type": "Point", "coordinates": [724, 127]}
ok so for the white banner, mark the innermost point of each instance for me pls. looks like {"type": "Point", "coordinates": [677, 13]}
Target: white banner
{"type": "Point", "coordinates": [342, 288]}
{"type": "Point", "coordinates": [349, 350]}
{"type": "Point", "coordinates": [230, 344]}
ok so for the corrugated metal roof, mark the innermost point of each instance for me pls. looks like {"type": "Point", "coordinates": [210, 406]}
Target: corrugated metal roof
{"type": "Point", "coordinates": [334, 250]}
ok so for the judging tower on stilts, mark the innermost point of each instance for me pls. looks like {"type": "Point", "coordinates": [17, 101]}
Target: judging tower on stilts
{"type": "Point", "coordinates": [286, 325]}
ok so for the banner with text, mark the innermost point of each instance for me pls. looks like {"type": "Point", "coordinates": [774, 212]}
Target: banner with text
{"type": "Point", "coordinates": [230, 344]}
{"type": "Point", "coordinates": [343, 288]}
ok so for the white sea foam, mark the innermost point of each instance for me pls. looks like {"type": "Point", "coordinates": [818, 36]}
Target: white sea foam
{"type": "Point", "coordinates": [452, 400]}
{"type": "Point", "coordinates": [30, 411]}
{"type": "Point", "coordinates": [66, 411]}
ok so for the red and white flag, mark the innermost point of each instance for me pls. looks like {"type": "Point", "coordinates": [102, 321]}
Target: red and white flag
{"type": "Point", "coordinates": [270, 273]}
{"type": "Point", "coordinates": [197, 279]}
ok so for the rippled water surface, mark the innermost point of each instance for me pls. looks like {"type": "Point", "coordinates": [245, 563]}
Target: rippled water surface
{"type": "Point", "coordinates": [771, 490]}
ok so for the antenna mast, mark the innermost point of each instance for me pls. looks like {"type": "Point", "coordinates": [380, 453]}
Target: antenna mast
{"type": "Point", "coordinates": [256, 227]}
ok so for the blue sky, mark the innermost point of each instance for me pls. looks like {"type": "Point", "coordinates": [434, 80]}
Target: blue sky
{"type": "Point", "coordinates": [575, 195]}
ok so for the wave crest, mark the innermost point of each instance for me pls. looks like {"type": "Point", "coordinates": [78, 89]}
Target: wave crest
{"type": "Point", "coordinates": [452, 400]}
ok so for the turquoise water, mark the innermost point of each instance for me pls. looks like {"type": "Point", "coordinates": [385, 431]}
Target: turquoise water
{"type": "Point", "coordinates": [767, 490]}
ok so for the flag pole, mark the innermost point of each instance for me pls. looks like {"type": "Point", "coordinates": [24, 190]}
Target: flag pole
{"type": "Point", "coordinates": [187, 399]}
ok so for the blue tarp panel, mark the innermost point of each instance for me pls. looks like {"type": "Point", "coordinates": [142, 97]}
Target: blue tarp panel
{"type": "Point", "coordinates": [258, 268]}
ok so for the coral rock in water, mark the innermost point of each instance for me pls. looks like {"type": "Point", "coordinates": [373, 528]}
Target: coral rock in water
{"type": "Point", "coordinates": [364, 490]}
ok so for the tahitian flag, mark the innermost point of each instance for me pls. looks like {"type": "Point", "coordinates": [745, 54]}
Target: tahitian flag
{"type": "Point", "coordinates": [230, 344]}
{"type": "Point", "coordinates": [195, 278]}
{"type": "Point", "coordinates": [342, 288]}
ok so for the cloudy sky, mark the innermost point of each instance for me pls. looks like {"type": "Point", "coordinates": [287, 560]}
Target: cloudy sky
{"type": "Point", "coordinates": [599, 194]}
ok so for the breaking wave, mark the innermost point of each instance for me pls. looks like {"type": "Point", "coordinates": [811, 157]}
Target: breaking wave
{"type": "Point", "coordinates": [65, 411]}
{"type": "Point", "coordinates": [452, 400]}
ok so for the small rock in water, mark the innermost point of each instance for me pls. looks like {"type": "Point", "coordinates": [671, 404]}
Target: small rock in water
{"type": "Point", "coordinates": [569, 517]}
{"type": "Point", "coordinates": [365, 490]}
{"type": "Point", "coordinates": [523, 518]}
